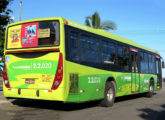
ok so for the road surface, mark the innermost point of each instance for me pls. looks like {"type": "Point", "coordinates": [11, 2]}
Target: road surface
{"type": "Point", "coordinates": [125, 108]}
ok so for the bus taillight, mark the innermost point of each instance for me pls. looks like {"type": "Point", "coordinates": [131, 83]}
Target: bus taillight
{"type": "Point", "coordinates": [5, 77]}
{"type": "Point", "coordinates": [59, 73]}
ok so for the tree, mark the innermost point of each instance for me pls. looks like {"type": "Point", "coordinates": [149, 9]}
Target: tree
{"type": "Point", "coordinates": [4, 20]}
{"type": "Point", "coordinates": [95, 22]}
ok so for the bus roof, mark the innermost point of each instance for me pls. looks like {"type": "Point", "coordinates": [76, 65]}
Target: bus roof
{"type": "Point", "coordinates": [92, 30]}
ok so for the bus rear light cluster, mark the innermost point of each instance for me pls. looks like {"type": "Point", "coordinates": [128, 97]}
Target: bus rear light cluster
{"type": "Point", "coordinates": [5, 76]}
{"type": "Point", "coordinates": [59, 73]}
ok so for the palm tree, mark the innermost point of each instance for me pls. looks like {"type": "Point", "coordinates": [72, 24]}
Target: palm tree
{"type": "Point", "coordinates": [95, 22]}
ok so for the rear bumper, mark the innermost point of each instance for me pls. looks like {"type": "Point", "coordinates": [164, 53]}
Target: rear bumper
{"type": "Point", "coordinates": [56, 95]}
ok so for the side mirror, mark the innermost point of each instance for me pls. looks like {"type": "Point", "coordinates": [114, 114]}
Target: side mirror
{"type": "Point", "coordinates": [163, 66]}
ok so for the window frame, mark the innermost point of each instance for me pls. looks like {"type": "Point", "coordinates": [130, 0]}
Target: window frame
{"type": "Point", "coordinates": [105, 66]}
{"type": "Point", "coordinates": [43, 46]}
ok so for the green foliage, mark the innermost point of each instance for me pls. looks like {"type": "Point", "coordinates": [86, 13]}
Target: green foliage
{"type": "Point", "coordinates": [4, 20]}
{"type": "Point", "coordinates": [108, 25]}
{"type": "Point", "coordinates": [95, 22]}
{"type": "Point", "coordinates": [2, 39]}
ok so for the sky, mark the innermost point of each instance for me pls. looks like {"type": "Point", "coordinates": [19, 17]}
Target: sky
{"type": "Point", "coordinates": [142, 21]}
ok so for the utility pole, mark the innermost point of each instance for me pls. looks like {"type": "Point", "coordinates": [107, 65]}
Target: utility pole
{"type": "Point", "coordinates": [20, 12]}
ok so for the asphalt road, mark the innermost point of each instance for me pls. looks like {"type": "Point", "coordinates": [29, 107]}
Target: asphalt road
{"type": "Point", "coordinates": [135, 107]}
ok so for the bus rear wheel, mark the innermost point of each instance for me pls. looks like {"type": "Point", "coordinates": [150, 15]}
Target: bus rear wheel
{"type": "Point", "coordinates": [109, 95]}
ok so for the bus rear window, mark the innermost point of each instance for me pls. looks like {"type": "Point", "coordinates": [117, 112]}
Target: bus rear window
{"type": "Point", "coordinates": [35, 34]}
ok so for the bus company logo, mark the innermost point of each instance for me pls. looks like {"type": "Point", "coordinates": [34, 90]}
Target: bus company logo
{"type": "Point", "coordinates": [21, 67]}
{"type": "Point", "coordinates": [145, 88]}
{"type": "Point", "coordinates": [146, 81]}
{"type": "Point", "coordinates": [77, 25]}
{"type": "Point", "coordinates": [94, 79]}
{"type": "Point", "coordinates": [126, 78]}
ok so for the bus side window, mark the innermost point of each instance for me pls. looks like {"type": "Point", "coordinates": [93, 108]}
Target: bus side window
{"type": "Point", "coordinates": [48, 33]}
{"type": "Point", "coordinates": [146, 62]}
{"type": "Point", "coordinates": [120, 57]}
{"type": "Point", "coordinates": [142, 62]}
{"type": "Point", "coordinates": [104, 48]}
{"type": "Point", "coordinates": [89, 49]}
{"type": "Point", "coordinates": [74, 52]}
{"type": "Point", "coordinates": [157, 66]}
{"type": "Point", "coordinates": [108, 52]}
{"type": "Point", "coordinates": [151, 64]}
{"type": "Point", "coordinates": [126, 58]}
{"type": "Point", "coordinates": [94, 48]}
{"type": "Point", "coordinates": [85, 46]}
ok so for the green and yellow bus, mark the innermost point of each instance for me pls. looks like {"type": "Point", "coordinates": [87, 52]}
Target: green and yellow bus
{"type": "Point", "coordinates": [60, 60]}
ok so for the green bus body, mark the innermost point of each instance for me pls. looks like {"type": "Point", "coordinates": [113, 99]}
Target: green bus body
{"type": "Point", "coordinates": [32, 70]}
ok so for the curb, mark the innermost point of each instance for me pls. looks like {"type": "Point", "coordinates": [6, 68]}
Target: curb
{"type": "Point", "coordinates": [3, 101]}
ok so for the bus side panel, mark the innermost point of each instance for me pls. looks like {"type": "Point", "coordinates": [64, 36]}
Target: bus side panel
{"type": "Point", "coordinates": [145, 82]}
{"type": "Point", "coordinates": [91, 82]}
{"type": "Point", "coordinates": [155, 82]}
{"type": "Point", "coordinates": [123, 82]}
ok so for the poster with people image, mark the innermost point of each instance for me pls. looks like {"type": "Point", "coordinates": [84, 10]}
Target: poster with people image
{"type": "Point", "coordinates": [29, 35]}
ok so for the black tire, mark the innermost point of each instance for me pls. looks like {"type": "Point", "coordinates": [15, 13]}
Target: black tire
{"type": "Point", "coordinates": [151, 89]}
{"type": "Point", "coordinates": [109, 94]}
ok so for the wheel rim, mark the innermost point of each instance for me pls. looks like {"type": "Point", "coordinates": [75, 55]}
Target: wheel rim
{"type": "Point", "coordinates": [151, 88]}
{"type": "Point", "coordinates": [110, 95]}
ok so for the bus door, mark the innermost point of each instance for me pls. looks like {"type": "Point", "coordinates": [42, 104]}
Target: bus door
{"type": "Point", "coordinates": [135, 76]}
{"type": "Point", "coordinates": [158, 72]}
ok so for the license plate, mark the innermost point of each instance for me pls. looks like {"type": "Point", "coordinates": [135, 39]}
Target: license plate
{"type": "Point", "coordinates": [30, 81]}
